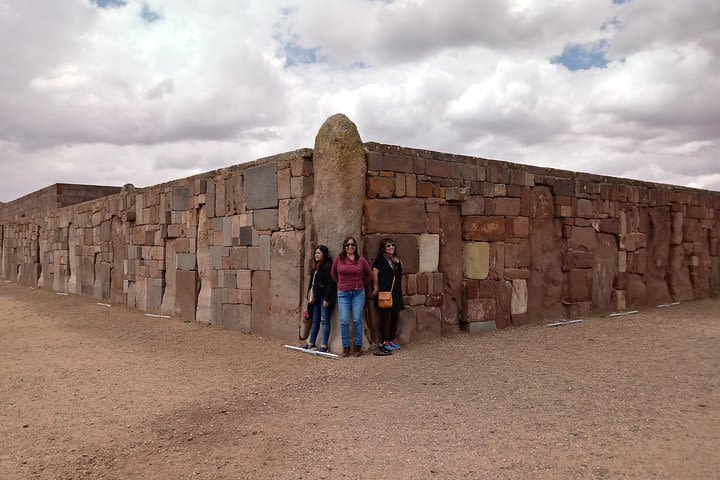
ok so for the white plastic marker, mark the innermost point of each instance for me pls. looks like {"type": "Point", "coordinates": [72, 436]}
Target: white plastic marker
{"type": "Point", "coordinates": [104, 304]}
{"type": "Point", "coordinates": [664, 305]}
{"type": "Point", "coordinates": [620, 314]}
{"type": "Point", "coordinates": [311, 352]}
{"type": "Point", "coordinates": [60, 293]}
{"type": "Point", "coordinates": [156, 316]}
{"type": "Point", "coordinates": [563, 322]}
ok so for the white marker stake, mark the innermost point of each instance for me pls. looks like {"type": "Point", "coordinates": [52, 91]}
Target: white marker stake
{"type": "Point", "coordinates": [620, 314]}
{"type": "Point", "coordinates": [104, 304]}
{"type": "Point", "coordinates": [665, 305]}
{"type": "Point", "coordinates": [567, 322]}
{"type": "Point", "coordinates": [311, 352]}
{"type": "Point", "coordinates": [60, 293]}
{"type": "Point", "coordinates": [156, 316]}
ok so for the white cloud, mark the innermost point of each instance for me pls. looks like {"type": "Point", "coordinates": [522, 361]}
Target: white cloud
{"type": "Point", "coordinates": [93, 95]}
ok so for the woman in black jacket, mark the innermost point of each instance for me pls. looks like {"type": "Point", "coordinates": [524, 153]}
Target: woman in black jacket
{"type": "Point", "coordinates": [321, 294]}
{"type": "Point", "coordinates": [387, 273]}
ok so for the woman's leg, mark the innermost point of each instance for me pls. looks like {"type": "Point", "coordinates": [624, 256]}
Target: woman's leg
{"type": "Point", "coordinates": [325, 321]}
{"type": "Point", "coordinates": [344, 307]}
{"type": "Point", "coordinates": [315, 321]}
{"type": "Point", "coordinates": [393, 324]}
{"type": "Point", "coordinates": [385, 331]}
{"type": "Point", "coordinates": [358, 305]}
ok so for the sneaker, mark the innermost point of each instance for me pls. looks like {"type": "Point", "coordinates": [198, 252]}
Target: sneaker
{"type": "Point", "coordinates": [345, 352]}
{"type": "Point", "coordinates": [323, 349]}
{"type": "Point", "coordinates": [382, 351]}
{"type": "Point", "coordinates": [307, 346]}
{"type": "Point", "coordinates": [387, 346]}
{"type": "Point", "coordinates": [395, 344]}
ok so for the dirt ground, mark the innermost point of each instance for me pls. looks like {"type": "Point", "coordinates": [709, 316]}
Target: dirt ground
{"type": "Point", "coordinates": [88, 391]}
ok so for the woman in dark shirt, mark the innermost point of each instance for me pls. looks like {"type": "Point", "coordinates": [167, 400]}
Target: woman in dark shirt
{"type": "Point", "coordinates": [322, 291]}
{"type": "Point", "coordinates": [387, 276]}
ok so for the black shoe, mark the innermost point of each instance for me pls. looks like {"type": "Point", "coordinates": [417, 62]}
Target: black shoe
{"type": "Point", "coordinates": [345, 352]}
{"type": "Point", "coordinates": [382, 351]}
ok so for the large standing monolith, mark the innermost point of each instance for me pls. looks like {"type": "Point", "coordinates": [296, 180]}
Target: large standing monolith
{"type": "Point", "coordinates": [339, 169]}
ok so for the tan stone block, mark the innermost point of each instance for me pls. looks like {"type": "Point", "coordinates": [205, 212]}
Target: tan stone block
{"type": "Point", "coordinates": [476, 260]}
{"type": "Point", "coordinates": [429, 252]}
{"type": "Point", "coordinates": [519, 297]}
{"type": "Point", "coordinates": [400, 185]}
{"type": "Point", "coordinates": [380, 187]}
{"type": "Point", "coordinates": [480, 310]}
{"type": "Point", "coordinates": [283, 183]}
{"type": "Point", "coordinates": [411, 185]}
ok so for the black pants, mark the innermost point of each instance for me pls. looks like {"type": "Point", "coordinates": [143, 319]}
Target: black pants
{"type": "Point", "coordinates": [388, 324]}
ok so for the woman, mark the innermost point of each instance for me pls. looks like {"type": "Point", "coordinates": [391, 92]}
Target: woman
{"type": "Point", "coordinates": [387, 276]}
{"type": "Point", "coordinates": [352, 273]}
{"type": "Point", "coordinates": [321, 298]}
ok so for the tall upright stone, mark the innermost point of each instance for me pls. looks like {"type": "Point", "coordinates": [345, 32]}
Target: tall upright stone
{"type": "Point", "coordinates": [339, 192]}
{"type": "Point", "coordinates": [339, 167]}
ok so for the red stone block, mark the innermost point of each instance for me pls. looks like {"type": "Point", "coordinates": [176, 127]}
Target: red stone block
{"type": "Point", "coordinates": [483, 228]}
{"type": "Point", "coordinates": [434, 300]}
{"type": "Point", "coordinates": [433, 222]}
{"type": "Point", "coordinates": [471, 289]}
{"type": "Point", "coordinates": [424, 189]}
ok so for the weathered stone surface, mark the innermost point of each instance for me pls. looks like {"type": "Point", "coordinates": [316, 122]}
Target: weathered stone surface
{"type": "Point", "coordinates": [101, 289]}
{"type": "Point", "coordinates": [578, 285]}
{"type": "Point", "coordinates": [658, 253]}
{"type": "Point", "coordinates": [186, 294]}
{"type": "Point", "coordinates": [604, 271]}
{"type": "Point", "coordinates": [451, 247]}
{"type": "Point", "coordinates": [397, 215]}
{"type": "Point", "coordinates": [476, 260]}
{"type": "Point", "coordinates": [545, 284]}
{"type": "Point", "coordinates": [429, 252]}
{"type": "Point", "coordinates": [519, 297]}
{"type": "Point", "coordinates": [481, 327]}
{"type": "Point", "coordinates": [237, 317]}
{"type": "Point", "coordinates": [474, 205]}
{"type": "Point", "coordinates": [261, 322]}
{"type": "Point", "coordinates": [204, 299]}
{"type": "Point", "coordinates": [506, 206]}
{"type": "Point", "coordinates": [636, 293]}
{"type": "Point", "coordinates": [339, 190]}
{"type": "Point", "coordinates": [260, 186]}
{"type": "Point", "coordinates": [679, 275]}
{"type": "Point", "coordinates": [487, 229]}
{"type": "Point", "coordinates": [380, 187]}
{"type": "Point", "coordinates": [480, 310]}
{"type": "Point", "coordinates": [266, 252]}
{"type": "Point", "coordinates": [429, 323]}
{"type": "Point", "coordinates": [581, 238]}
{"type": "Point", "coordinates": [265, 219]}
{"type": "Point", "coordinates": [285, 284]}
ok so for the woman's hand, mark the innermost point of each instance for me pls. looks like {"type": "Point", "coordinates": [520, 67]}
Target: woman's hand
{"type": "Point", "coordinates": [325, 304]}
{"type": "Point", "coordinates": [374, 293]}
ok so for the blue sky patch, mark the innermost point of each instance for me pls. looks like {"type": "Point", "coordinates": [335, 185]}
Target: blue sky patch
{"type": "Point", "coordinates": [148, 15]}
{"type": "Point", "coordinates": [108, 3]}
{"type": "Point", "coordinates": [297, 55]}
{"type": "Point", "coordinates": [620, 2]}
{"type": "Point", "coordinates": [583, 57]}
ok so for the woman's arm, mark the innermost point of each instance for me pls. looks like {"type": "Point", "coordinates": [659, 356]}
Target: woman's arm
{"type": "Point", "coordinates": [333, 270]}
{"type": "Point", "coordinates": [375, 282]}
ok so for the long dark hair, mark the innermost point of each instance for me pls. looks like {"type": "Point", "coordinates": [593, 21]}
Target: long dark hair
{"type": "Point", "coordinates": [383, 242]}
{"type": "Point", "coordinates": [326, 256]}
{"type": "Point", "coordinates": [343, 253]}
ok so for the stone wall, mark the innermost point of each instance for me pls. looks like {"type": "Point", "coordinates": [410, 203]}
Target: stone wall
{"type": "Point", "coordinates": [493, 244]}
{"type": "Point", "coordinates": [485, 244]}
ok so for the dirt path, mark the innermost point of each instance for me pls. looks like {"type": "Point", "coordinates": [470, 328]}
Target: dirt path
{"type": "Point", "coordinates": [88, 391]}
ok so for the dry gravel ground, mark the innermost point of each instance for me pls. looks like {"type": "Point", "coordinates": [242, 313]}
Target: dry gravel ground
{"type": "Point", "coordinates": [88, 391]}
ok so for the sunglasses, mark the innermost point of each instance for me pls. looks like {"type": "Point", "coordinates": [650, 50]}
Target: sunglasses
{"type": "Point", "coordinates": [349, 244]}
{"type": "Point", "coordinates": [388, 245]}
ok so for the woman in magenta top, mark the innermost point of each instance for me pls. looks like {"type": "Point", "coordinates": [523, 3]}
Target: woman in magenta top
{"type": "Point", "coordinates": [352, 273]}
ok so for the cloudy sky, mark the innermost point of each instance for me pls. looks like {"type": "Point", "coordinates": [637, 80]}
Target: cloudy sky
{"type": "Point", "coordinates": [144, 91]}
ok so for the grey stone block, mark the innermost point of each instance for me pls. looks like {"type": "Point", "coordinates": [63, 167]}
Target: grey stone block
{"type": "Point", "coordinates": [186, 261]}
{"type": "Point", "coordinates": [265, 219]}
{"type": "Point", "coordinates": [181, 198]}
{"type": "Point", "coordinates": [479, 327]}
{"type": "Point", "coordinates": [245, 236]}
{"type": "Point", "coordinates": [261, 187]}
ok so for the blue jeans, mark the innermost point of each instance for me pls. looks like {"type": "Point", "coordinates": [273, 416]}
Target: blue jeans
{"type": "Point", "coordinates": [351, 302]}
{"type": "Point", "coordinates": [319, 315]}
